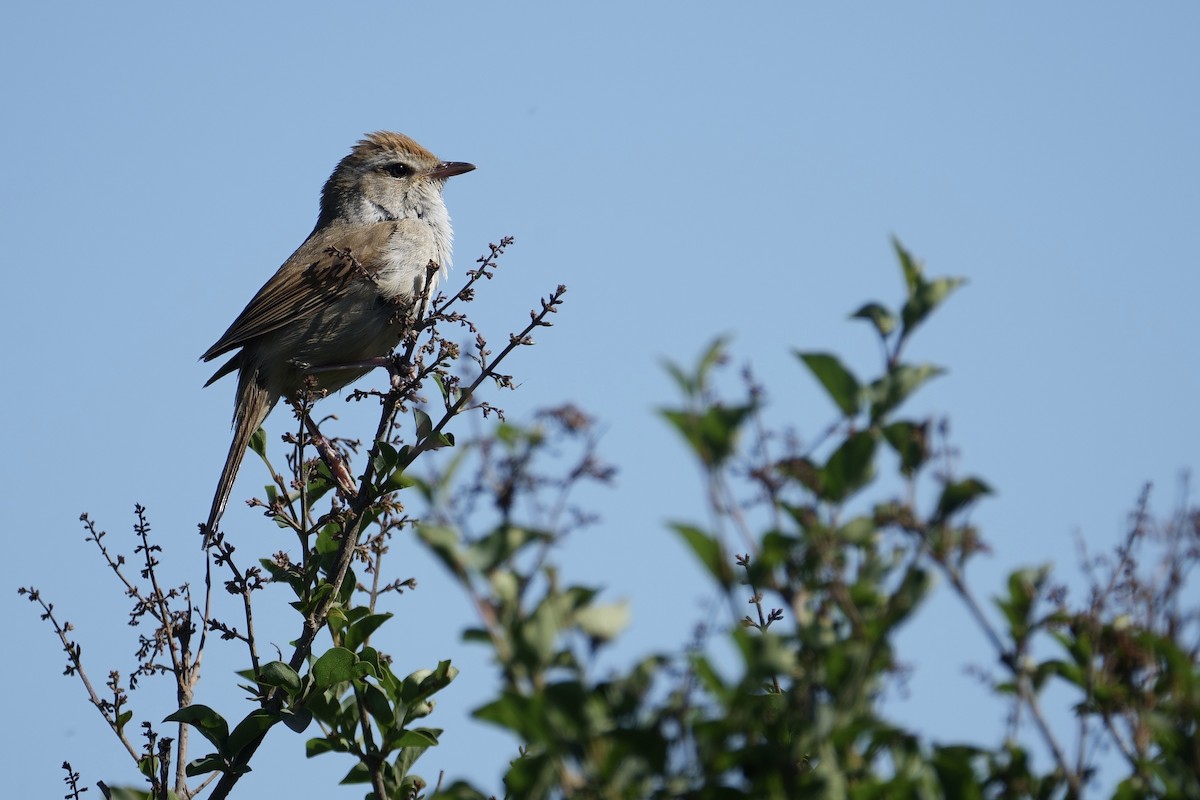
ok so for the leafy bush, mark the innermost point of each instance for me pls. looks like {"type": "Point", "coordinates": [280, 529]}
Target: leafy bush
{"type": "Point", "coordinates": [831, 558]}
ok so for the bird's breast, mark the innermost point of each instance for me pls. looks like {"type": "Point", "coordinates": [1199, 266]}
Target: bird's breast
{"type": "Point", "coordinates": [404, 263]}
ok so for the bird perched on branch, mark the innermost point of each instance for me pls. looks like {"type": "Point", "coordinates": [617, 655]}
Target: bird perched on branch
{"type": "Point", "coordinates": [347, 295]}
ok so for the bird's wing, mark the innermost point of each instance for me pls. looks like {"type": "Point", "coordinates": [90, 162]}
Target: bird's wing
{"type": "Point", "coordinates": [322, 269]}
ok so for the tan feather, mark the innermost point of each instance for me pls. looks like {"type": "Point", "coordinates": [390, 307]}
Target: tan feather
{"type": "Point", "coordinates": [317, 274]}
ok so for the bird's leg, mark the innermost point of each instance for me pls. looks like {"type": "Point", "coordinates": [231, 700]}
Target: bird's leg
{"type": "Point", "coordinates": [400, 370]}
{"type": "Point", "coordinates": [330, 455]}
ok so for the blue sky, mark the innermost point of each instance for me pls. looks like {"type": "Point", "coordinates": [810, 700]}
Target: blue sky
{"type": "Point", "coordinates": [685, 171]}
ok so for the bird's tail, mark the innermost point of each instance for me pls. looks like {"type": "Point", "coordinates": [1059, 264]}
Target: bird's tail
{"type": "Point", "coordinates": [254, 402]}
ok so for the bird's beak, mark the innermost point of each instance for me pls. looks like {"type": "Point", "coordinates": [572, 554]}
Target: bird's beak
{"type": "Point", "coordinates": [448, 169]}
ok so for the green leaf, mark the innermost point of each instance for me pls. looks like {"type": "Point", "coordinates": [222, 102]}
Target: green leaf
{"type": "Point", "coordinates": [359, 773]}
{"type": "Point", "coordinates": [397, 480]}
{"type": "Point", "coordinates": [538, 633]}
{"type": "Point", "coordinates": [712, 433]}
{"type": "Point", "coordinates": [337, 622]}
{"type": "Point", "coordinates": [512, 711]}
{"type": "Point", "coordinates": [840, 384]}
{"type": "Point", "coordinates": [711, 680]}
{"type": "Point", "coordinates": [850, 468]}
{"type": "Point", "coordinates": [879, 316]}
{"type": "Point", "coordinates": [443, 542]}
{"type": "Point", "coordinates": [906, 597]}
{"type": "Point", "coordinates": [148, 766]}
{"type": "Point", "coordinates": [385, 457]}
{"type": "Point", "coordinates": [1050, 668]}
{"type": "Point", "coordinates": [423, 422]}
{"type": "Point", "coordinates": [315, 747]}
{"type": "Point", "coordinates": [446, 392]}
{"type": "Point", "coordinates": [712, 357]}
{"type": "Point", "coordinates": [328, 539]}
{"type": "Point", "coordinates": [908, 265]}
{"type": "Point", "coordinates": [860, 531]}
{"type": "Point", "coordinates": [256, 723]}
{"type": "Point", "coordinates": [694, 386]}
{"type": "Point", "coordinates": [206, 764]}
{"type": "Point", "coordinates": [509, 434]}
{"type": "Point", "coordinates": [336, 665]}
{"type": "Point", "coordinates": [708, 549]}
{"type": "Point", "coordinates": [923, 296]}
{"type": "Point", "coordinates": [533, 775]}
{"type": "Point", "coordinates": [297, 720]}
{"type": "Point", "coordinates": [361, 629]}
{"type": "Point", "coordinates": [1024, 588]}
{"type": "Point", "coordinates": [209, 723]}
{"type": "Point", "coordinates": [130, 793]}
{"type": "Point", "coordinates": [603, 622]}
{"type": "Point", "coordinates": [424, 683]}
{"type": "Point", "coordinates": [681, 378]}
{"type": "Point", "coordinates": [290, 575]}
{"type": "Point", "coordinates": [927, 297]}
{"type": "Point", "coordinates": [417, 737]}
{"type": "Point", "coordinates": [476, 635]}
{"type": "Point", "coordinates": [387, 680]}
{"type": "Point", "coordinates": [897, 385]}
{"type": "Point", "coordinates": [258, 443]}
{"type": "Point", "coordinates": [379, 707]}
{"type": "Point", "coordinates": [435, 440]}
{"type": "Point", "coordinates": [277, 673]}
{"type": "Point", "coordinates": [953, 765]}
{"type": "Point", "coordinates": [957, 495]}
{"type": "Point", "coordinates": [501, 545]}
{"type": "Point", "coordinates": [411, 748]}
{"type": "Point", "coordinates": [910, 441]}
{"type": "Point", "coordinates": [804, 470]}
{"type": "Point", "coordinates": [506, 585]}
{"type": "Point", "coordinates": [320, 482]}
{"type": "Point", "coordinates": [765, 655]}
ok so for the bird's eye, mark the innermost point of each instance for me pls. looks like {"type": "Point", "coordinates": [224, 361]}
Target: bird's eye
{"type": "Point", "coordinates": [397, 170]}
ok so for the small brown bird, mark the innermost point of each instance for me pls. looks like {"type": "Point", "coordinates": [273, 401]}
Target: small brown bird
{"type": "Point", "coordinates": [348, 294]}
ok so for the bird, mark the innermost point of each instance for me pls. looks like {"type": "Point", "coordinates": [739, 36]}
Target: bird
{"type": "Point", "coordinates": [347, 295]}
